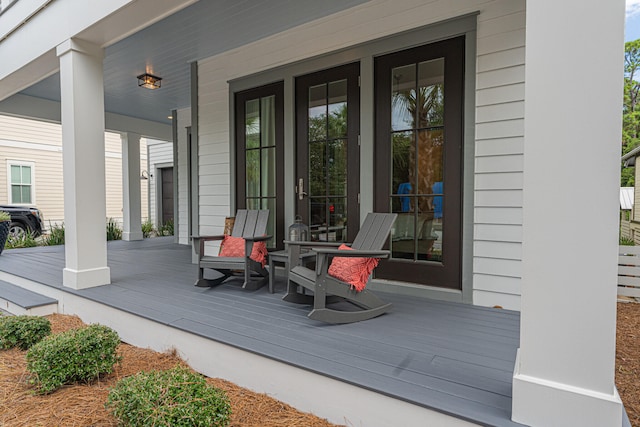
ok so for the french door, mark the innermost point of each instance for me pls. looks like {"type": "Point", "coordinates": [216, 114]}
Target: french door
{"type": "Point", "coordinates": [259, 125]}
{"type": "Point", "coordinates": [328, 172]}
{"type": "Point", "coordinates": [418, 160]}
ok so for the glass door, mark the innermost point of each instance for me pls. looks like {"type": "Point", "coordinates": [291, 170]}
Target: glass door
{"type": "Point", "coordinates": [419, 160]}
{"type": "Point", "coordinates": [259, 142]}
{"type": "Point", "coordinates": [327, 184]}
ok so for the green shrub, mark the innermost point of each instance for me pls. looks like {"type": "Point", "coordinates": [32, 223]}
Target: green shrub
{"type": "Point", "coordinates": [626, 241]}
{"type": "Point", "coordinates": [76, 355]}
{"type": "Point", "coordinates": [4, 216]}
{"type": "Point", "coordinates": [175, 397]}
{"type": "Point", "coordinates": [22, 331]}
{"type": "Point", "coordinates": [55, 236]}
{"type": "Point", "coordinates": [166, 229]}
{"type": "Point", "coordinates": [114, 232]}
{"type": "Point", "coordinates": [24, 240]}
{"type": "Point", "coordinates": [147, 228]}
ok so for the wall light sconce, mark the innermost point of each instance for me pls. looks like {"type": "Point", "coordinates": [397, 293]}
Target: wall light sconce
{"type": "Point", "coordinates": [144, 175]}
{"type": "Point", "coordinates": [149, 81]}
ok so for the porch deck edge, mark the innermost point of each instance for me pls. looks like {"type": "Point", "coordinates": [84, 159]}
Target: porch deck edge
{"type": "Point", "coordinates": [290, 383]}
{"type": "Point", "coordinates": [380, 398]}
{"type": "Point", "coordinates": [293, 364]}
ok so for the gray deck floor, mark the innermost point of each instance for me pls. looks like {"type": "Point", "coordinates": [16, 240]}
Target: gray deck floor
{"type": "Point", "coordinates": [454, 358]}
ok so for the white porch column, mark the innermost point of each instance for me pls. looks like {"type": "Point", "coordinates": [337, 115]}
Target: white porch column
{"type": "Point", "coordinates": [131, 210]}
{"type": "Point", "coordinates": [564, 374]}
{"type": "Point", "coordinates": [82, 109]}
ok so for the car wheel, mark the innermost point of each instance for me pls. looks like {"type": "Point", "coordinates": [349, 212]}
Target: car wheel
{"type": "Point", "coordinates": [17, 230]}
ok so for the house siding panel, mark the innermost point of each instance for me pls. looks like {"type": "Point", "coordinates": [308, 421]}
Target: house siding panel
{"type": "Point", "coordinates": [499, 159]}
{"type": "Point", "coordinates": [498, 198]}
{"type": "Point", "coordinates": [496, 164]}
{"type": "Point", "coordinates": [505, 111]}
{"type": "Point", "coordinates": [500, 146]}
{"type": "Point", "coordinates": [501, 41]}
{"type": "Point", "coordinates": [160, 154]}
{"type": "Point", "coordinates": [498, 215]}
{"type": "Point", "coordinates": [499, 103]}
{"type": "Point", "coordinates": [498, 249]}
{"type": "Point", "coordinates": [497, 266]}
{"type": "Point", "coordinates": [499, 181]}
{"type": "Point", "coordinates": [500, 94]}
{"type": "Point", "coordinates": [498, 233]}
{"type": "Point", "coordinates": [500, 129]}
{"type": "Point", "coordinates": [501, 59]}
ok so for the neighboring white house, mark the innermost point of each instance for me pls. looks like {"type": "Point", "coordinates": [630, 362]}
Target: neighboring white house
{"type": "Point", "coordinates": [31, 168]}
{"type": "Point", "coordinates": [459, 116]}
{"type": "Point", "coordinates": [627, 201]}
{"type": "Point", "coordinates": [159, 174]}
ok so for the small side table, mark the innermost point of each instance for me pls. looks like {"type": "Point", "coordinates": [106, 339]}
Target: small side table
{"type": "Point", "coordinates": [283, 257]}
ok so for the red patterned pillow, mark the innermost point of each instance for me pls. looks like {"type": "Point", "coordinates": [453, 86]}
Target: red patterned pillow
{"type": "Point", "coordinates": [355, 271]}
{"type": "Point", "coordinates": [234, 247]}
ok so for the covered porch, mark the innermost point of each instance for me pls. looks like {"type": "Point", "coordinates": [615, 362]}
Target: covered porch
{"type": "Point", "coordinates": [424, 360]}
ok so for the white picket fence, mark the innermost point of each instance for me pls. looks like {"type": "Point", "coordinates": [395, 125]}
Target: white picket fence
{"type": "Point", "coordinates": [629, 271]}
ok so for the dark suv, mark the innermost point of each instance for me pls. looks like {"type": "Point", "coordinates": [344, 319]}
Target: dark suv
{"type": "Point", "coordinates": [24, 219]}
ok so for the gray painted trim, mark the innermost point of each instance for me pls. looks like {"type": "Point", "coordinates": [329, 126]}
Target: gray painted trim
{"type": "Point", "coordinates": [159, 190]}
{"type": "Point", "coordinates": [367, 135]}
{"type": "Point", "coordinates": [189, 182]}
{"type": "Point", "coordinates": [232, 157]}
{"type": "Point", "coordinates": [194, 199]}
{"type": "Point", "coordinates": [148, 184]}
{"type": "Point", "coordinates": [289, 153]}
{"type": "Point", "coordinates": [365, 53]}
{"type": "Point", "coordinates": [468, 166]}
{"type": "Point", "coordinates": [176, 207]}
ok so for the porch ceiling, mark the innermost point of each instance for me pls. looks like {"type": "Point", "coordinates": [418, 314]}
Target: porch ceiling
{"type": "Point", "coordinates": [167, 48]}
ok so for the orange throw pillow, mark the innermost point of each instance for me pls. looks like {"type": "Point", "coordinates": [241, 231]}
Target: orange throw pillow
{"type": "Point", "coordinates": [234, 247]}
{"type": "Point", "coordinates": [355, 271]}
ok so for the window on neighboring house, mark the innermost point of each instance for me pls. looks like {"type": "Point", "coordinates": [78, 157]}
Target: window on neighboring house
{"type": "Point", "coordinates": [20, 183]}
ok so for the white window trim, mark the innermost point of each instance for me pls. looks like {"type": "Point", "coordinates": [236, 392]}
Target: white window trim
{"type": "Point", "coordinates": [32, 165]}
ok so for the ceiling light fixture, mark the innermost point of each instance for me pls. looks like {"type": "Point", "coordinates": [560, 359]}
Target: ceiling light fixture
{"type": "Point", "coordinates": [149, 81]}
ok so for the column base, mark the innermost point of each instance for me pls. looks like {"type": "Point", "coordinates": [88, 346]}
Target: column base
{"type": "Point", "coordinates": [132, 235]}
{"type": "Point", "coordinates": [540, 402]}
{"type": "Point", "coordinates": [82, 279]}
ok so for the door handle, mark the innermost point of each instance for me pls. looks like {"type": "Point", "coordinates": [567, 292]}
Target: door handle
{"type": "Point", "coordinates": [301, 192]}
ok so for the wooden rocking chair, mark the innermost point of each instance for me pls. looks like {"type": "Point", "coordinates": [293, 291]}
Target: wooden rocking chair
{"type": "Point", "coordinates": [250, 225]}
{"type": "Point", "coordinates": [367, 244]}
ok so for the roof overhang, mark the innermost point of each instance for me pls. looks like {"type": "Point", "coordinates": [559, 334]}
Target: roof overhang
{"type": "Point", "coordinates": [629, 159]}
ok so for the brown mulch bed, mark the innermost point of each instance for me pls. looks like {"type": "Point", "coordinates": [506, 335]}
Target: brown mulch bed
{"type": "Point", "coordinates": [83, 404]}
{"type": "Point", "coordinates": [628, 359]}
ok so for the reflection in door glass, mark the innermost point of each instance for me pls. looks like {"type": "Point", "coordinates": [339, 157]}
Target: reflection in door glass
{"type": "Point", "coordinates": [327, 115]}
{"type": "Point", "coordinates": [260, 157]}
{"type": "Point", "coordinates": [318, 113]}
{"type": "Point", "coordinates": [337, 111]}
{"type": "Point", "coordinates": [252, 123]}
{"type": "Point", "coordinates": [417, 135]}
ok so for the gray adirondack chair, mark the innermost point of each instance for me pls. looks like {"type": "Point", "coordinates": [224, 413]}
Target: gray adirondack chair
{"type": "Point", "coordinates": [250, 225]}
{"type": "Point", "coordinates": [327, 289]}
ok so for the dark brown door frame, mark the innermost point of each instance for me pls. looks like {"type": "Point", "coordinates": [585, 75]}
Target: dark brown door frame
{"type": "Point", "coordinates": [448, 273]}
{"type": "Point", "coordinates": [276, 89]}
{"type": "Point", "coordinates": [351, 72]}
